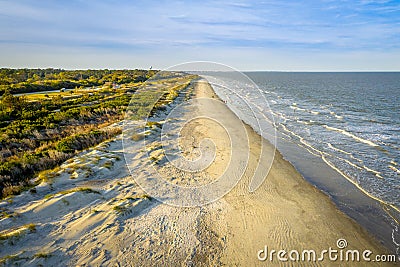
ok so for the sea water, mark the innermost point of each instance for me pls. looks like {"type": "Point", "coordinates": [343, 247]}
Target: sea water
{"type": "Point", "coordinates": [350, 120]}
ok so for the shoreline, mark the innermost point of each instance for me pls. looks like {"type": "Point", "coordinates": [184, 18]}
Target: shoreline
{"type": "Point", "coordinates": [373, 214]}
{"type": "Point", "coordinates": [340, 223]}
{"type": "Point", "coordinates": [377, 217]}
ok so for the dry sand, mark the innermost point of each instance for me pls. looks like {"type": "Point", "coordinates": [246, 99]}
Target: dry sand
{"type": "Point", "coordinates": [118, 225]}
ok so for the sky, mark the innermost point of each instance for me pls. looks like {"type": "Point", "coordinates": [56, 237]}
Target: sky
{"type": "Point", "coordinates": [274, 35]}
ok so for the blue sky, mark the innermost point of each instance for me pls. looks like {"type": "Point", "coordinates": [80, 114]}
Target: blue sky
{"type": "Point", "coordinates": [248, 35]}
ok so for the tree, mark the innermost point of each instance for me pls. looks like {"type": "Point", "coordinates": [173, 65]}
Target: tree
{"type": "Point", "coordinates": [13, 103]}
{"type": "Point", "coordinates": [8, 100]}
{"type": "Point", "coordinates": [57, 100]}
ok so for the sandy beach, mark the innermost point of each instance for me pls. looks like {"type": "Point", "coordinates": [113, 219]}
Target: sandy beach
{"type": "Point", "coordinates": [95, 214]}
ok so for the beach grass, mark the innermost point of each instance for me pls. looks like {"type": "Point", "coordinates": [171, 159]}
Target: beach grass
{"type": "Point", "coordinates": [18, 232]}
{"type": "Point", "coordinates": [79, 189]}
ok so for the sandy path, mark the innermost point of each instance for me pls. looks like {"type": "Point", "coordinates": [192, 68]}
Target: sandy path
{"type": "Point", "coordinates": [119, 225]}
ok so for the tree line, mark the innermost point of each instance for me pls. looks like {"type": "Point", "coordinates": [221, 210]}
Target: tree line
{"type": "Point", "coordinates": [33, 80]}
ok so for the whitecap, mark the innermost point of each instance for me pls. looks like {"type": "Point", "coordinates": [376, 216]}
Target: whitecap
{"type": "Point", "coordinates": [365, 141]}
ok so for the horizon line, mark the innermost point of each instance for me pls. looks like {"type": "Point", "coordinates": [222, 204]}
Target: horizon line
{"type": "Point", "coordinates": [249, 70]}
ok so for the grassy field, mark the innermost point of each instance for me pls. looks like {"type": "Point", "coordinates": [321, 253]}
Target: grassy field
{"type": "Point", "coordinates": [49, 95]}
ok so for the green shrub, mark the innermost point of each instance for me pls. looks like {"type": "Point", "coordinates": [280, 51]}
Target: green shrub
{"type": "Point", "coordinates": [137, 137]}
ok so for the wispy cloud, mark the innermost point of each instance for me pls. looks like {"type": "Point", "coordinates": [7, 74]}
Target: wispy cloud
{"type": "Point", "coordinates": [122, 26]}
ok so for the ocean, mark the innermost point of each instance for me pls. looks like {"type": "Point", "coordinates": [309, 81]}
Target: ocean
{"type": "Point", "coordinates": [340, 130]}
{"type": "Point", "coordinates": [352, 120]}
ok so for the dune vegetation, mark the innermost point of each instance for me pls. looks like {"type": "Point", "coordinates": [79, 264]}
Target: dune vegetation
{"type": "Point", "coordinates": [34, 80]}
{"type": "Point", "coordinates": [39, 131]}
